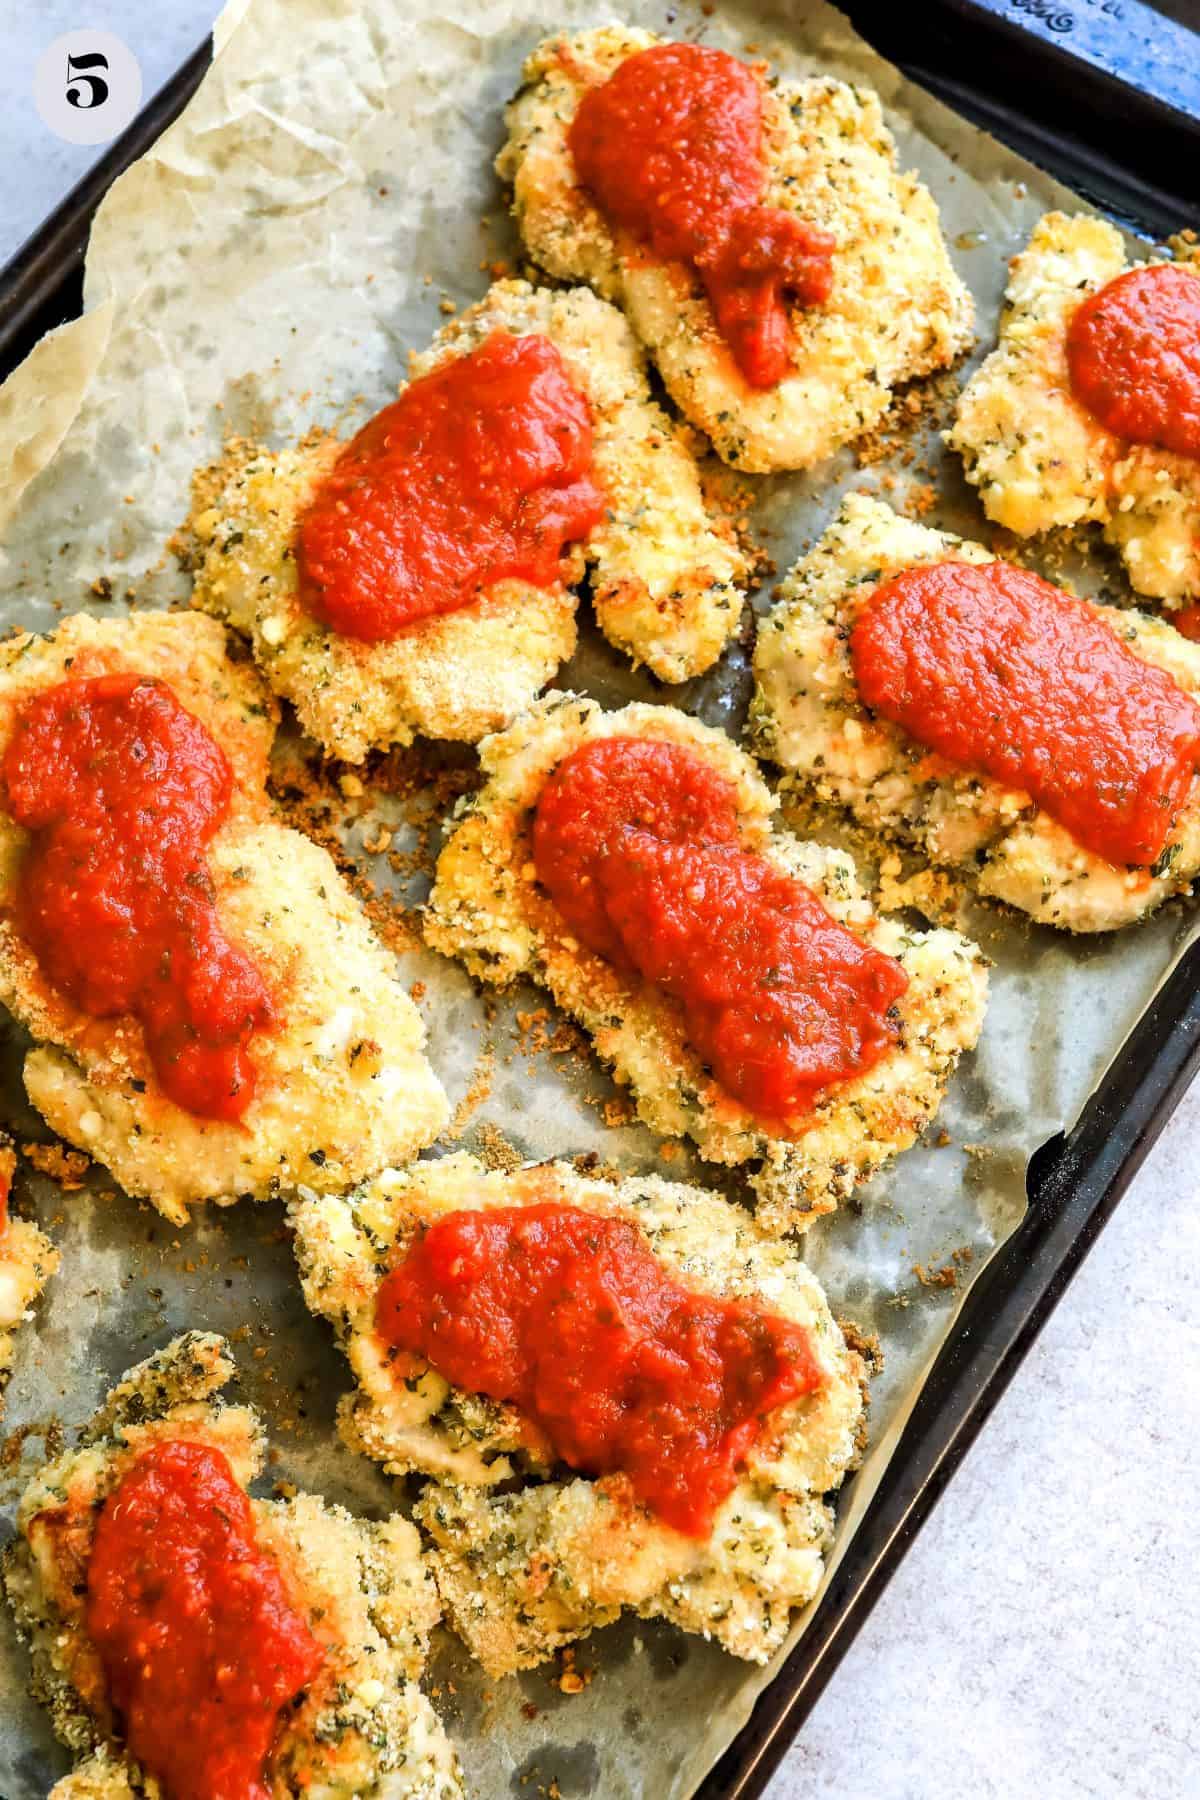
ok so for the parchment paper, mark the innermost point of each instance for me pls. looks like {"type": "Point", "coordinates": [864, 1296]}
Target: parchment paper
{"type": "Point", "coordinates": [265, 267]}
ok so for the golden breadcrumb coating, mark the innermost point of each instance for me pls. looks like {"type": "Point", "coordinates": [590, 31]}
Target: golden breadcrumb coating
{"type": "Point", "coordinates": [27, 1261]}
{"type": "Point", "coordinates": [362, 1730]}
{"type": "Point", "coordinates": [457, 675]}
{"type": "Point", "coordinates": [99, 1778]}
{"type": "Point", "coordinates": [898, 310]}
{"type": "Point", "coordinates": [523, 1571]}
{"type": "Point", "coordinates": [666, 569]}
{"type": "Point", "coordinates": [344, 1087]}
{"type": "Point", "coordinates": [1038, 457]}
{"type": "Point", "coordinates": [807, 717]}
{"type": "Point", "coordinates": [488, 909]}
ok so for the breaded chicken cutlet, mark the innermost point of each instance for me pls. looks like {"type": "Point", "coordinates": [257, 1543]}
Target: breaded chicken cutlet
{"type": "Point", "coordinates": [897, 309]}
{"type": "Point", "coordinates": [342, 1083]}
{"type": "Point", "coordinates": [525, 1569]}
{"type": "Point", "coordinates": [808, 717]}
{"type": "Point", "coordinates": [27, 1261]}
{"type": "Point", "coordinates": [667, 573]}
{"type": "Point", "coordinates": [489, 910]}
{"type": "Point", "coordinates": [1040, 458]}
{"type": "Point", "coordinates": [361, 1729]}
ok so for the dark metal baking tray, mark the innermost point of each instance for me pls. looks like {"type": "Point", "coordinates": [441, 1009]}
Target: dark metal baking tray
{"type": "Point", "coordinates": [1105, 95]}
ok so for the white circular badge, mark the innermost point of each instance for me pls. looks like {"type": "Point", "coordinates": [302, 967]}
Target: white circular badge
{"type": "Point", "coordinates": [88, 86]}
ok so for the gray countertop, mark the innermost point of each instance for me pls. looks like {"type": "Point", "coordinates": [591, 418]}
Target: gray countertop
{"type": "Point", "coordinates": [1043, 1635]}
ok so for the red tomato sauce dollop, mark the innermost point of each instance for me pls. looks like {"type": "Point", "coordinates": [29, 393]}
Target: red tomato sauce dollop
{"type": "Point", "coordinates": [1187, 622]}
{"type": "Point", "coordinates": [122, 790]}
{"type": "Point", "coordinates": [480, 471]}
{"type": "Point", "coordinates": [671, 149]}
{"type": "Point", "coordinates": [1003, 674]}
{"type": "Point", "coordinates": [201, 1645]}
{"type": "Point", "coordinates": [636, 841]}
{"type": "Point", "coordinates": [568, 1316]}
{"type": "Point", "coordinates": [1133, 354]}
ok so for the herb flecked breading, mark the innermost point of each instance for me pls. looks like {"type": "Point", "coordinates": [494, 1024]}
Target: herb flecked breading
{"type": "Point", "coordinates": [667, 573]}
{"type": "Point", "coordinates": [898, 309]}
{"type": "Point", "coordinates": [1038, 457]}
{"type": "Point", "coordinates": [362, 1730]}
{"type": "Point", "coordinates": [488, 910]}
{"type": "Point", "coordinates": [27, 1261]}
{"type": "Point", "coordinates": [343, 1074]}
{"type": "Point", "coordinates": [807, 717]}
{"type": "Point", "coordinates": [525, 1569]}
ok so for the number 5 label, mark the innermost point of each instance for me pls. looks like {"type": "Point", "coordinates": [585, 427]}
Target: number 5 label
{"type": "Point", "coordinates": [87, 87]}
{"type": "Point", "coordinates": [82, 79]}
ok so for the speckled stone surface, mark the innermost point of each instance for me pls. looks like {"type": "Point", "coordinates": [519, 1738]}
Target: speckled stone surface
{"type": "Point", "coordinates": [1043, 1636]}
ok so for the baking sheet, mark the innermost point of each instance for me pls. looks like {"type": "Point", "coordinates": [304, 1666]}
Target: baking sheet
{"type": "Point", "coordinates": [267, 267]}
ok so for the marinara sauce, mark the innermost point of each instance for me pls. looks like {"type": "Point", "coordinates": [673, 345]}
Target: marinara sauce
{"type": "Point", "coordinates": [1005, 675]}
{"type": "Point", "coordinates": [1133, 353]}
{"type": "Point", "coordinates": [567, 1316]}
{"type": "Point", "coordinates": [636, 841]}
{"type": "Point", "coordinates": [122, 790]}
{"type": "Point", "coordinates": [200, 1644]}
{"type": "Point", "coordinates": [671, 148]}
{"type": "Point", "coordinates": [480, 471]}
